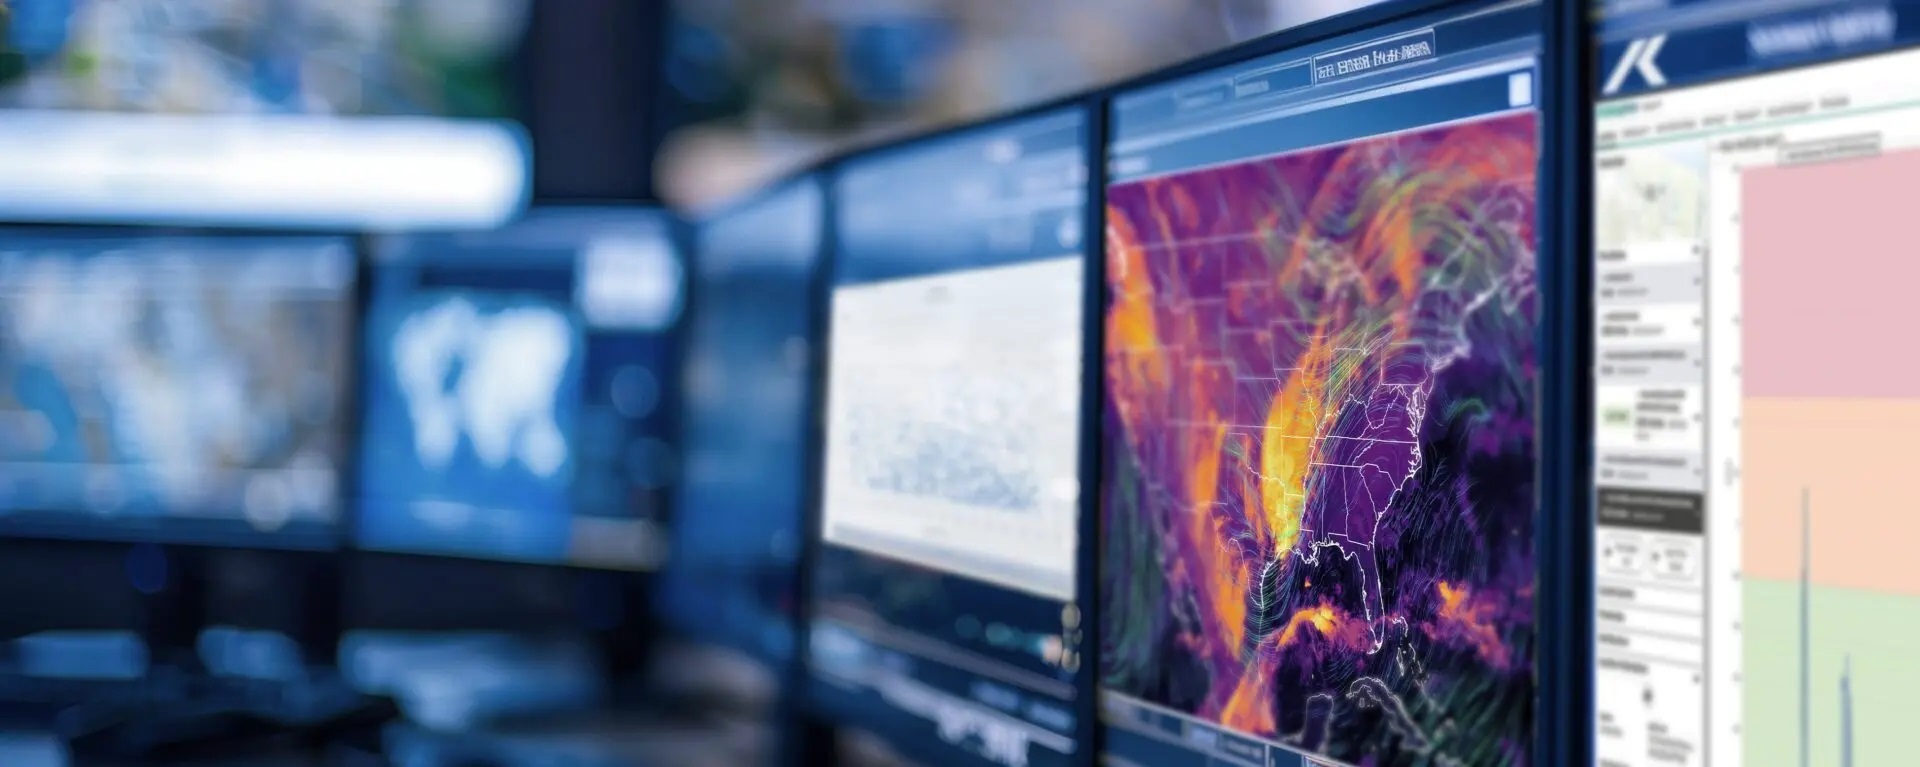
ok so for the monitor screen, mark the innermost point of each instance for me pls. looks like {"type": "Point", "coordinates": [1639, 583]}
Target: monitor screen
{"type": "Point", "coordinates": [1754, 603]}
{"type": "Point", "coordinates": [174, 388]}
{"type": "Point", "coordinates": [737, 522]}
{"type": "Point", "coordinates": [517, 402]}
{"type": "Point", "coordinates": [1319, 447]}
{"type": "Point", "coordinates": [265, 111]}
{"type": "Point", "coordinates": [946, 611]}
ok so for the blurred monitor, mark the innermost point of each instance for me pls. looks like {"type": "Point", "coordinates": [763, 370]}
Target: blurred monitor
{"type": "Point", "coordinates": [1752, 390]}
{"type": "Point", "coordinates": [1318, 495]}
{"type": "Point", "coordinates": [518, 402]}
{"type": "Point", "coordinates": [361, 114]}
{"type": "Point", "coordinates": [441, 58]}
{"type": "Point", "coordinates": [174, 388]}
{"type": "Point", "coordinates": [730, 576]}
{"type": "Point", "coordinates": [945, 605]}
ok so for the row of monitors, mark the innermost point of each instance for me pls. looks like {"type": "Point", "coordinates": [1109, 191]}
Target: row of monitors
{"type": "Point", "coordinates": [504, 395]}
{"type": "Point", "coordinates": [1271, 467]}
{"type": "Point", "coordinates": [1270, 409]}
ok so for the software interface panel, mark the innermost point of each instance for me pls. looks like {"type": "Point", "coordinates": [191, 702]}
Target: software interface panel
{"type": "Point", "coordinates": [174, 388]}
{"type": "Point", "coordinates": [737, 522]}
{"type": "Point", "coordinates": [1318, 488]}
{"type": "Point", "coordinates": [946, 606]}
{"type": "Point", "coordinates": [514, 392]}
{"type": "Point", "coordinates": [1755, 604]}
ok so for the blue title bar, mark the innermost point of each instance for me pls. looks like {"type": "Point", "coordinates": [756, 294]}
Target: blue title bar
{"type": "Point", "coordinates": [1431, 69]}
{"type": "Point", "coordinates": [1378, 57]}
{"type": "Point", "coordinates": [1282, 79]}
{"type": "Point", "coordinates": [1674, 46]}
{"type": "Point", "coordinates": [1373, 57]}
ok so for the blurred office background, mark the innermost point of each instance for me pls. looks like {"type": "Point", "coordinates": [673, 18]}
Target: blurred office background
{"type": "Point", "coordinates": [768, 85]}
{"type": "Point", "coordinates": [712, 96]}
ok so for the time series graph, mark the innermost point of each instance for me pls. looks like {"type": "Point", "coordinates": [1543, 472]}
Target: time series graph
{"type": "Point", "coordinates": [1831, 397]}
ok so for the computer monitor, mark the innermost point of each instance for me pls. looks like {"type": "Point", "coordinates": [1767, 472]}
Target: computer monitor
{"type": "Point", "coordinates": [1318, 496]}
{"type": "Point", "coordinates": [170, 401]}
{"type": "Point", "coordinates": [518, 400]}
{"type": "Point", "coordinates": [1751, 386]}
{"type": "Point", "coordinates": [180, 389]}
{"type": "Point", "coordinates": [518, 391]}
{"type": "Point", "coordinates": [730, 577]}
{"type": "Point", "coordinates": [290, 113]}
{"type": "Point", "coordinates": [945, 600]}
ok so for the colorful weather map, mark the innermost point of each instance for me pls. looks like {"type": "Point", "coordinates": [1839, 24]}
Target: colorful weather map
{"type": "Point", "coordinates": [1318, 492]}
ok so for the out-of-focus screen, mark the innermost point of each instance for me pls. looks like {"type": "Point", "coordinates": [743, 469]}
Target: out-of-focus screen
{"type": "Point", "coordinates": [945, 611]}
{"type": "Point", "coordinates": [174, 388]}
{"type": "Point", "coordinates": [736, 531]}
{"type": "Point", "coordinates": [1318, 493]}
{"type": "Point", "coordinates": [517, 391]}
{"type": "Point", "coordinates": [1754, 593]}
{"type": "Point", "coordinates": [263, 111]}
{"type": "Point", "coordinates": [353, 57]}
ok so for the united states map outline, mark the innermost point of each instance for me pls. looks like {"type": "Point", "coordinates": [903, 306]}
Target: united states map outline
{"type": "Point", "coordinates": [1371, 259]}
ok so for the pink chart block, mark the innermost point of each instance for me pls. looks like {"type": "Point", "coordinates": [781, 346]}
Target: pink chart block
{"type": "Point", "coordinates": [1830, 279]}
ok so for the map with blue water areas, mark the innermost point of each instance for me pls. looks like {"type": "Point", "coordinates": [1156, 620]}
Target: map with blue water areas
{"type": "Point", "coordinates": [470, 422]}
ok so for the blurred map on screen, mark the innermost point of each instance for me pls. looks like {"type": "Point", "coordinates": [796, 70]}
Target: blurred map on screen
{"type": "Point", "coordinates": [472, 410]}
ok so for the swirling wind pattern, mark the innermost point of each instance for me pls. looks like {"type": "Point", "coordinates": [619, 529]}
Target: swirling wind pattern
{"type": "Point", "coordinates": [1318, 492]}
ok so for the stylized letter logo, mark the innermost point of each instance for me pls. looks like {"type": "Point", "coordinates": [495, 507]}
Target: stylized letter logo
{"type": "Point", "coordinates": [1639, 58]}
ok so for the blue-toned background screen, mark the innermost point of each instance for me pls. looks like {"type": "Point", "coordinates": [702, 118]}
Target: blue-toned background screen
{"type": "Point", "coordinates": [514, 386]}
{"type": "Point", "coordinates": [173, 388]}
{"type": "Point", "coordinates": [473, 398]}
{"type": "Point", "coordinates": [737, 524]}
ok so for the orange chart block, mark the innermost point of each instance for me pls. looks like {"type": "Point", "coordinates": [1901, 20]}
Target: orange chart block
{"type": "Point", "coordinates": [1856, 456]}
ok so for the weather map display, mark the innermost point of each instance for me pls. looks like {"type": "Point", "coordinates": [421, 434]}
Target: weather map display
{"type": "Point", "coordinates": [1755, 602]}
{"type": "Point", "coordinates": [945, 610]}
{"type": "Point", "coordinates": [174, 388]}
{"type": "Point", "coordinates": [729, 577]}
{"type": "Point", "coordinates": [515, 391]}
{"type": "Point", "coordinates": [1318, 498]}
